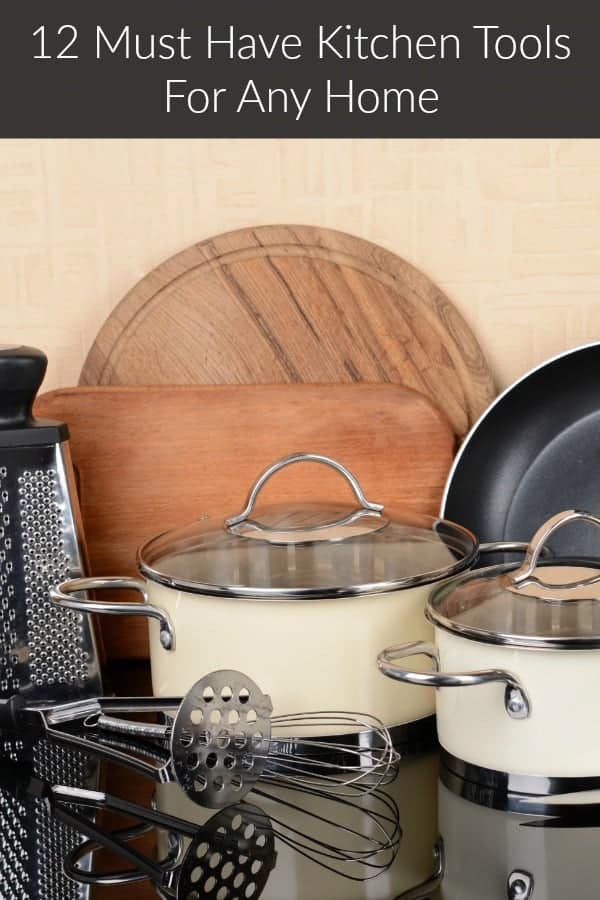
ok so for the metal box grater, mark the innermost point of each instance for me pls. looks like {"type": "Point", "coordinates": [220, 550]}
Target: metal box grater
{"type": "Point", "coordinates": [46, 653]}
{"type": "Point", "coordinates": [32, 843]}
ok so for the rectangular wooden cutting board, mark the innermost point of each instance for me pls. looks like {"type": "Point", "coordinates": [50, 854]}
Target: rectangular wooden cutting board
{"type": "Point", "coordinates": [151, 458]}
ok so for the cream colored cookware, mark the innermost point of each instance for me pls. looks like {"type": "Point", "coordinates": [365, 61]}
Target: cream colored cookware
{"type": "Point", "coordinates": [494, 854]}
{"type": "Point", "coordinates": [301, 597]}
{"type": "Point", "coordinates": [517, 666]}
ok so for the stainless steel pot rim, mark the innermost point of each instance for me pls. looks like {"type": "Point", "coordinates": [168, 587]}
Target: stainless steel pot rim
{"type": "Point", "coordinates": [390, 549]}
{"type": "Point", "coordinates": [576, 642]}
{"type": "Point", "coordinates": [531, 642]}
{"type": "Point", "coordinates": [535, 794]}
{"type": "Point", "coordinates": [240, 592]}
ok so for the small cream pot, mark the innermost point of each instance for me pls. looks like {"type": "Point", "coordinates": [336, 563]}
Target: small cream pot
{"type": "Point", "coordinates": [516, 665]}
{"type": "Point", "coordinates": [489, 850]}
{"type": "Point", "coordinates": [300, 597]}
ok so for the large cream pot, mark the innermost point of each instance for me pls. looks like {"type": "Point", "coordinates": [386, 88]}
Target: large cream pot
{"type": "Point", "coordinates": [301, 598]}
{"type": "Point", "coordinates": [516, 665]}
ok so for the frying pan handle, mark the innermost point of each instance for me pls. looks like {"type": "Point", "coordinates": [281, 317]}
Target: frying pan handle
{"type": "Point", "coordinates": [516, 700]}
{"type": "Point", "coordinates": [365, 504]}
{"type": "Point", "coordinates": [525, 574]}
{"type": "Point", "coordinates": [62, 595]}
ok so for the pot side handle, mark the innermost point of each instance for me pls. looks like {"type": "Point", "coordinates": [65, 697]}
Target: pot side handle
{"type": "Point", "coordinates": [516, 700]}
{"type": "Point", "coordinates": [426, 889]}
{"type": "Point", "coordinates": [62, 595]}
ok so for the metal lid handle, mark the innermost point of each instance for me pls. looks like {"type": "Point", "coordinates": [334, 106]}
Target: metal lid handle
{"type": "Point", "coordinates": [525, 574]}
{"type": "Point", "coordinates": [365, 504]}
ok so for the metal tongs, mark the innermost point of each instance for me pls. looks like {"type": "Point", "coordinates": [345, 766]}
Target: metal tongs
{"type": "Point", "coordinates": [217, 741]}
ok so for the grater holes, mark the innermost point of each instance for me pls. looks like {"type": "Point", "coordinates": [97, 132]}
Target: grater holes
{"type": "Point", "coordinates": [56, 635]}
{"type": "Point", "coordinates": [54, 841]}
{"type": "Point", "coordinates": [223, 739]}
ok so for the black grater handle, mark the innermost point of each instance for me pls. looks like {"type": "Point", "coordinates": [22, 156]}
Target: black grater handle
{"type": "Point", "coordinates": [10, 714]}
{"type": "Point", "coordinates": [22, 371]}
{"type": "Point", "coordinates": [18, 721]}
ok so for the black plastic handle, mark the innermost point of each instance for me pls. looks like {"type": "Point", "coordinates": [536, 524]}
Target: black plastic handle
{"type": "Point", "coordinates": [22, 371]}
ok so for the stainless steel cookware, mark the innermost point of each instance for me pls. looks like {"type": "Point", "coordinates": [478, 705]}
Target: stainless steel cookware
{"type": "Point", "coordinates": [516, 665]}
{"type": "Point", "coordinates": [301, 595]}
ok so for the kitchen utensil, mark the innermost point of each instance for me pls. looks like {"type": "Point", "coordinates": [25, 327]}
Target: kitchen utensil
{"type": "Point", "coordinates": [531, 635]}
{"type": "Point", "coordinates": [143, 456]}
{"type": "Point", "coordinates": [32, 841]}
{"type": "Point", "coordinates": [356, 841]}
{"type": "Point", "coordinates": [283, 303]}
{"type": "Point", "coordinates": [230, 835]}
{"type": "Point", "coordinates": [45, 651]}
{"type": "Point", "coordinates": [324, 824]}
{"type": "Point", "coordinates": [232, 851]}
{"type": "Point", "coordinates": [346, 837]}
{"type": "Point", "coordinates": [532, 454]}
{"type": "Point", "coordinates": [291, 580]}
{"type": "Point", "coordinates": [219, 742]}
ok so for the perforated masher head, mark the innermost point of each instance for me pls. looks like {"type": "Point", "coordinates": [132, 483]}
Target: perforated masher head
{"type": "Point", "coordinates": [220, 738]}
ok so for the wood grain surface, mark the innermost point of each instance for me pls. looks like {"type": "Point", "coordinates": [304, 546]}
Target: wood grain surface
{"type": "Point", "coordinates": [149, 459]}
{"type": "Point", "coordinates": [287, 304]}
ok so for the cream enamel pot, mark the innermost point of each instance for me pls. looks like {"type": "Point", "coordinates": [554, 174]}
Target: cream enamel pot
{"type": "Point", "coordinates": [300, 597]}
{"type": "Point", "coordinates": [486, 852]}
{"type": "Point", "coordinates": [516, 664]}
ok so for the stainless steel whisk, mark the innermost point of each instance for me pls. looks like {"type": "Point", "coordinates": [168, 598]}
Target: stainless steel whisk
{"type": "Point", "coordinates": [223, 738]}
{"type": "Point", "coordinates": [355, 840]}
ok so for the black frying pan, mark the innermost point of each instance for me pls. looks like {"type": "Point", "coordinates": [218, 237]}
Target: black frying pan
{"type": "Point", "coordinates": [534, 452]}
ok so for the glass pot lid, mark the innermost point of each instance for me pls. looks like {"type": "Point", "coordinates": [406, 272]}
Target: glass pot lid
{"type": "Point", "coordinates": [554, 603]}
{"type": "Point", "coordinates": [308, 550]}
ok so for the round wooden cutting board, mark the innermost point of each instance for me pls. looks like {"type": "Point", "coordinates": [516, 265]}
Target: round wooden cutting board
{"type": "Point", "coordinates": [283, 303]}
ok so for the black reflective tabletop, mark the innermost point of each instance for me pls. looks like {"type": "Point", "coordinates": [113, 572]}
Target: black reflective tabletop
{"type": "Point", "coordinates": [426, 834]}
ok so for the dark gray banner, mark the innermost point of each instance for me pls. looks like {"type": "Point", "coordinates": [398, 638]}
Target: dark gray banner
{"type": "Point", "coordinates": [186, 68]}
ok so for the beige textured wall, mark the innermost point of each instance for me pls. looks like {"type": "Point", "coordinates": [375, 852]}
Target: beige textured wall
{"type": "Point", "coordinates": [510, 229]}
